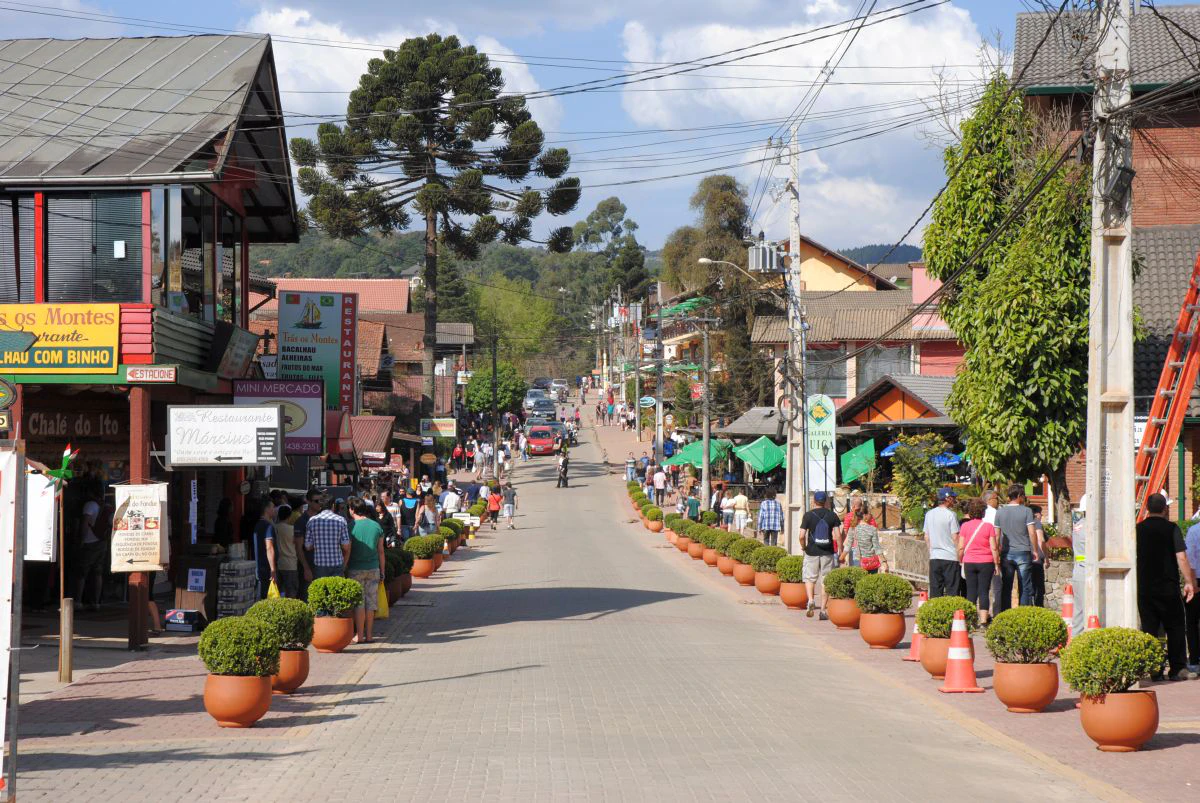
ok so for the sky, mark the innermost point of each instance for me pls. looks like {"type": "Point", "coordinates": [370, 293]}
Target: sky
{"type": "Point", "coordinates": [651, 141]}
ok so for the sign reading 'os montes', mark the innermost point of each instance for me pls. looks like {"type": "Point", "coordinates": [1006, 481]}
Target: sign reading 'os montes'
{"type": "Point", "coordinates": [224, 435]}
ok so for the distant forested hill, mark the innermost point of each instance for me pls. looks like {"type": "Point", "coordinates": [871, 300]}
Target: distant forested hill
{"type": "Point", "coordinates": [870, 254]}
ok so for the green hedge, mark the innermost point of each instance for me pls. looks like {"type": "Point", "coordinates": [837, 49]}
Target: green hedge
{"type": "Point", "coordinates": [290, 619]}
{"type": "Point", "coordinates": [936, 616]}
{"type": "Point", "coordinates": [790, 569]}
{"type": "Point", "coordinates": [743, 548]}
{"type": "Point", "coordinates": [334, 596]}
{"type": "Point", "coordinates": [1110, 660]}
{"type": "Point", "coordinates": [1026, 635]}
{"type": "Point", "coordinates": [883, 593]}
{"type": "Point", "coordinates": [241, 646]}
{"type": "Point", "coordinates": [839, 583]}
{"type": "Point", "coordinates": [764, 558]}
{"type": "Point", "coordinates": [397, 561]}
{"type": "Point", "coordinates": [454, 525]}
{"type": "Point", "coordinates": [439, 542]}
{"type": "Point", "coordinates": [422, 546]}
{"type": "Point", "coordinates": [723, 541]}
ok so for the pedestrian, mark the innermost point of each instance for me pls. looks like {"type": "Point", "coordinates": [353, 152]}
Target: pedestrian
{"type": "Point", "coordinates": [563, 466]}
{"type": "Point", "coordinates": [1039, 566]}
{"type": "Point", "coordinates": [365, 567]}
{"type": "Point", "coordinates": [770, 520]}
{"type": "Point", "coordinates": [509, 507]}
{"type": "Point", "coordinates": [726, 508]}
{"type": "Point", "coordinates": [979, 550]}
{"type": "Point", "coordinates": [1161, 558]}
{"type": "Point", "coordinates": [821, 537]}
{"type": "Point", "coordinates": [630, 468]}
{"type": "Point", "coordinates": [450, 502]}
{"type": "Point", "coordinates": [93, 546]}
{"type": "Point", "coordinates": [495, 501]}
{"type": "Point", "coordinates": [263, 544]}
{"type": "Point", "coordinates": [327, 537]}
{"type": "Point", "coordinates": [427, 516]}
{"type": "Point", "coordinates": [1079, 569]}
{"type": "Point", "coordinates": [286, 563]}
{"type": "Point", "coordinates": [1019, 547]}
{"type": "Point", "coordinates": [741, 511]}
{"type": "Point", "coordinates": [456, 456]}
{"type": "Point", "coordinates": [693, 506]}
{"type": "Point", "coordinates": [863, 541]}
{"type": "Point", "coordinates": [1192, 607]}
{"type": "Point", "coordinates": [660, 486]}
{"type": "Point", "coordinates": [407, 516]}
{"type": "Point", "coordinates": [940, 528]}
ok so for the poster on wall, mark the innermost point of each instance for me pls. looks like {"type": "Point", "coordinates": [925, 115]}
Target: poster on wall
{"type": "Point", "coordinates": [140, 528]}
{"type": "Point", "coordinates": [60, 338]}
{"type": "Point", "coordinates": [41, 518]}
{"type": "Point", "coordinates": [317, 340]}
{"type": "Point", "coordinates": [822, 443]}
{"type": "Point", "coordinates": [303, 404]}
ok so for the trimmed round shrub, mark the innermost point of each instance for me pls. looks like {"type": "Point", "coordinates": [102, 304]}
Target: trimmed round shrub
{"type": "Point", "coordinates": [290, 619]}
{"type": "Point", "coordinates": [439, 542]}
{"type": "Point", "coordinates": [709, 517]}
{"type": "Point", "coordinates": [646, 507]}
{"type": "Point", "coordinates": [654, 514]}
{"type": "Point", "coordinates": [764, 558]}
{"type": "Point", "coordinates": [839, 583]}
{"type": "Point", "coordinates": [421, 546]}
{"type": "Point", "coordinates": [447, 534]}
{"type": "Point", "coordinates": [454, 525]}
{"type": "Point", "coordinates": [743, 548]}
{"type": "Point", "coordinates": [936, 616]}
{"type": "Point", "coordinates": [1110, 660]}
{"type": "Point", "coordinates": [640, 498]}
{"type": "Point", "coordinates": [672, 520]}
{"type": "Point", "coordinates": [632, 486]}
{"type": "Point", "coordinates": [790, 569]}
{"type": "Point", "coordinates": [883, 593]}
{"type": "Point", "coordinates": [1026, 635]}
{"type": "Point", "coordinates": [709, 537]}
{"type": "Point", "coordinates": [240, 645]}
{"type": "Point", "coordinates": [723, 541]}
{"type": "Point", "coordinates": [703, 535]}
{"type": "Point", "coordinates": [334, 596]}
{"type": "Point", "coordinates": [693, 530]}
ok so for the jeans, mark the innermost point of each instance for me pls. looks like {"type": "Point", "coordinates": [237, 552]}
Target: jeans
{"type": "Point", "coordinates": [289, 583]}
{"type": "Point", "coordinates": [770, 537]}
{"type": "Point", "coordinates": [659, 495]}
{"type": "Point", "coordinates": [327, 571]}
{"type": "Point", "coordinates": [1192, 611]}
{"type": "Point", "coordinates": [1039, 584]}
{"type": "Point", "coordinates": [1017, 564]}
{"type": "Point", "coordinates": [979, 583]}
{"type": "Point", "coordinates": [1165, 612]}
{"type": "Point", "coordinates": [944, 578]}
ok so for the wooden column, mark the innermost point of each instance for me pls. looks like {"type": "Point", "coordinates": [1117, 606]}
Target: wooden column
{"type": "Point", "coordinates": [139, 472]}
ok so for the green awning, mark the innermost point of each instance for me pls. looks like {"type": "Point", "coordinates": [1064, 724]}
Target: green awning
{"type": "Point", "coordinates": [693, 453]}
{"type": "Point", "coordinates": [681, 367]}
{"type": "Point", "coordinates": [762, 455]}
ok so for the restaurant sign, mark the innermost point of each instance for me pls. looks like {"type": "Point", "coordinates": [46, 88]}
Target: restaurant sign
{"type": "Point", "coordinates": [224, 435]}
{"type": "Point", "coordinates": [140, 534]}
{"type": "Point", "coordinates": [318, 340]}
{"type": "Point", "coordinates": [60, 338]}
{"type": "Point", "coordinates": [303, 409]}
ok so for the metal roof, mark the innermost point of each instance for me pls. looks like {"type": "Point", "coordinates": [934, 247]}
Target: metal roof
{"type": "Point", "coordinates": [1064, 60]}
{"type": "Point", "coordinates": [840, 317]}
{"type": "Point", "coordinates": [754, 422]}
{"type": "Point", "coordinates": [372, 433]}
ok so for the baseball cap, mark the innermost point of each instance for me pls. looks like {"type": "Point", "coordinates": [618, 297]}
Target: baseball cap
{"type": "Point", "coordinates": [943, 493]}
{"type": "Point", "coordinates": [820, 496]}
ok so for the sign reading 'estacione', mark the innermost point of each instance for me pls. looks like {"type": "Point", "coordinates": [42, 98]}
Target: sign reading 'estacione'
{"type": "Point", "coordinates": [59, 338]}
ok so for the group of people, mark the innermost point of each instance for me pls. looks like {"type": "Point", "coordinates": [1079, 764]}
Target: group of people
{"type": "Point", "coordinates": [829, 541]}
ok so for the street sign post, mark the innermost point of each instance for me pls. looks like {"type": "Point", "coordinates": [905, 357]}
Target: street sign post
{"type": "Point", "coordinates": [12, 547]}
{"type": "Point", "coordinates": [224, 435]}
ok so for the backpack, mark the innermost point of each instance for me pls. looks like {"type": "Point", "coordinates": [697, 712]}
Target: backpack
{"type": "Point", "coordinates": [822, 535]}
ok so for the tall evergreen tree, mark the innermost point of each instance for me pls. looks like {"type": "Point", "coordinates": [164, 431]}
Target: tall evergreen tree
{"type": "Point", "coordinates": [608, 231]}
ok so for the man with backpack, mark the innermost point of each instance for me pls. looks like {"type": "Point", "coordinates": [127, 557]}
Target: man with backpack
{"type": "Point", "coordinates": [821, 537]}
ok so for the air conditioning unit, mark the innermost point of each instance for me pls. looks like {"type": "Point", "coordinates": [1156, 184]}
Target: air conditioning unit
{"type": "Point", "coordinates": [764, 258]}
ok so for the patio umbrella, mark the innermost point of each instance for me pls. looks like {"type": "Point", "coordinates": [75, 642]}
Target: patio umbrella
{"type": "Point", "coordinates": [890, 449]}
{"type": "Point", "coordinates": [762, 455]}
{"type": "Point", "coordinates": [946, 460]}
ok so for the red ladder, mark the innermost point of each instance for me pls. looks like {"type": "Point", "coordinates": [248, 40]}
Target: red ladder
{"type": "Point", "coordinates": [1171, 400]}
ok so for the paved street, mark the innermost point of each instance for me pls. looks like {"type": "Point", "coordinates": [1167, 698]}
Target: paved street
{"type": "Point", "coordinates": [576, 658]}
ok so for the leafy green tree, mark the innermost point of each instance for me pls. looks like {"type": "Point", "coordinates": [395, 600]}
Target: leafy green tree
{"type": "Point", "coordinates": [1021, 393]}
{"type": "Point", "coordinates": [608, 231]}
{"type": "Point", "coordinates": [429, 130]}
{"type": "Point", "coordinates": [915, 477]}
{"type": "Point", "coordinates": [523, 319]}
{"type": "Point", "coordinates": [510, 389]}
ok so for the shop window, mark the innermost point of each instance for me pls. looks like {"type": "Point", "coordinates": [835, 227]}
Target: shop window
{"type": "Point", "coordinates": [94, 247]}
{"type": "Point", "coordinates": [826, 372]}
{"type": "Point", "coordinates": [879, 361]}
{"type": "Point", "coordinates": [16, 251]}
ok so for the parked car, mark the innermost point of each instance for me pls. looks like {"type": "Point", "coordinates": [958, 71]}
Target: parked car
{"type": "Point", "coordinates": [558, 388]}
{"type": "Point", "coordinates": [542, 383]}
{"type": "Point", "coordinates": [541, 440]}
{"type": "Point", "coordinates": [544, 407]}
{"type": "Point", "coordinates": [531, 396]}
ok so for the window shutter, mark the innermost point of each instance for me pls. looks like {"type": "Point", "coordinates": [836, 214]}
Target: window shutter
{"type": "Point", "coordinates": [69, 249]}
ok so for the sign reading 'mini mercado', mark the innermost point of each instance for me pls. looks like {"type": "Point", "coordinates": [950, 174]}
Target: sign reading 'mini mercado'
{"type": "Point", "coordinates": [59, 338]}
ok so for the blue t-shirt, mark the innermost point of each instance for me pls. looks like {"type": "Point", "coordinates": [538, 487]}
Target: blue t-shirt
{"type": "Point", "coordinates": [263, 531]}
{"type": "Point", "coordinates": [668, 448]}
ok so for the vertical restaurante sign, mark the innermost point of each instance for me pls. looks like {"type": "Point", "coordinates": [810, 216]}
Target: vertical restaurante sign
{"type": "Point", "coordinates": [318, 340]}
{"type": "Point", "coordinates": [59, 338]}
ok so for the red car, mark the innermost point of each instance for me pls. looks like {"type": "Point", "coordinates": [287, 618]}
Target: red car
{"type": "Point", "coordinates": [541, 440]}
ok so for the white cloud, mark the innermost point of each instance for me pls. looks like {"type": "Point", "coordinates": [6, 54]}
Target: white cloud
{"type": "Point", "coordinates": [517, 78]}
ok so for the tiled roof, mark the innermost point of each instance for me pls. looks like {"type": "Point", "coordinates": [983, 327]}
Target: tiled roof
{"type": "Point", "coordinates": [372, 433]}
{"type": "Point", "coordinates": [1155, 58]}
{"type": "Point", "coordinates": [370, 348]}
{"type": "Point", "coordinates": [383, 295]}
{"type": "Point", "coordinates": [1166, 255]}
{"type": "Point", "coordinates": [839, 317]}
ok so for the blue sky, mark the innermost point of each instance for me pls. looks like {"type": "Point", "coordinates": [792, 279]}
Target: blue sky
{"type": "Point", "coordinates": [852, 193]}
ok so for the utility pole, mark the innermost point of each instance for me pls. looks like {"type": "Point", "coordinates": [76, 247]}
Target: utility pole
{"type": "Point", "coordinates": [796, 482]}
{"type": "Point", "coordinates": [658, 391]}
{"type": "Point", "coordinates": [495, 413]}
{"type": "Point", "coordinates": [637, 380]}
{"type": "Point", "coordinates": [1110, 591]}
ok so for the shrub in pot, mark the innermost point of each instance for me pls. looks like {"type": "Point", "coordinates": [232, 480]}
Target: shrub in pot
{"type": "Point", "coordinates": [397, 578]}
{"type": "Point", "coordinates": [721, 546]}
{"type": "Point", "coordinates": [709, 539]}
{"type": "Point", "coordinates": [695, 549]}
{"type": "Point", "coordinates": [709, 517]}
{"type": "Point", "coordinates": [654, 520]}
{"type": "Point", "coordinates": [1024, 642]}
{"type": "Point", "coordinates": [241, 654]}
{"type": "Point", "coordinates": [331, 599]}
{"type": "Point", "coordinates": [292, 622]}
{"type": "Point", "coordinates": [882, 599]}
{"type": "Point", "coordinates": [448, 538]}
{"type": "Point", "coordinates": [792, 592]}
{"type": "Point", "coordinates": [1102, 665]}
{"type": "Point", "coordinates": [740, 551]}
{"type": "Point", "coordinates": [683, 536]}
{"type": "Point", "coordinates": [935, 618]}
{"type": "Point", "coordinates": [763, 560]}
{"type": "Point", "coordinates": [422, 548]}
{"type": "Point", "coordinates": [839, 596]}
{"type": "Point", "coordinates": [439, 544]}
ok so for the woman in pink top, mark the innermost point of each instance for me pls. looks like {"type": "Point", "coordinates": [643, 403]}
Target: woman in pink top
{"type": "Point", "coordinates": [979, 553]}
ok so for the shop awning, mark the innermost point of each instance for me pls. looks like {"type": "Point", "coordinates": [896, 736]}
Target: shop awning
{"type": "Point", "coordinates": [693, 453]}
{"type": "Point", "coordinates": [372, 433]}
{"type": "Point", "coordinates": [339, 437]}
{"type": "Point", "coordinates": [762, 455]}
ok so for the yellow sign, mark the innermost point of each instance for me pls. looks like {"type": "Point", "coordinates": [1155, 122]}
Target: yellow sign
{"type": "Point", "coordinates": [59, 338]}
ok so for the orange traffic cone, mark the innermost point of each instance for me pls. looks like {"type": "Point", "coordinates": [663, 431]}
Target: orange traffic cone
{"type": "Point", "coordinates": [914, 650]}
{"type": "Point", "coordinates": [1068, 609]}
{"type": "Point", "coordinates": [1093, 623]}
{"type": "Point", "coordinates": [960, 666]}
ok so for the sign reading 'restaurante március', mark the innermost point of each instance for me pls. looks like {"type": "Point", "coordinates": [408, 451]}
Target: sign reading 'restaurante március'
{"type": "Point", "coordinates": [59, 338]}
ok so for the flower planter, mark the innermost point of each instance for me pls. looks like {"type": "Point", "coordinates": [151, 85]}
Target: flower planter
{"type": "Point", "coordinates": [710, 556]}
{"type": "Point", "coordinates": [843, 613]}
{"type": "Point", "coordinates": [725, 564]}
{"type": "Point", "coordinates": [293, 671]}
{"type": "Point", "coordinates": [681, 543]}
{"type": "Point", "coordinates": [423, 567]}
{"type": "Point", "coordinates": [393, 589]}
{"type": "Point", "coordinates": [332, 633]}
{"type": "Point", "coordinates": [452, 545]}
{"type": "Point", "coordinates": [405, 583]}
{"type": "Point", "coordinates": [670, 534]}
{"type": "Point", "coordinates": [794, 595]}
{"type": "Point", "coordinates": [933, 655]}
{"type": "Point", "coordinates": [235, 701]}
{"type": "Point", "coordinates": [438, 560]}
{"type": "Point", "coordinates": [767, 583]}
{"type": "Point", "coordinates": [1120, 722]}
{"type": "Point", "coordinates": [655, 526]}
{"type": "Point", "coordinates": [645, 522]}
{"type": "Point", "coordinates": [881, 631]}
{"type": "Point", "coordinates": [1025, 688]}
{"type": "Point", "coordinates": [743, 573]}
{"type": "Point", "coordinates": [695, 550]}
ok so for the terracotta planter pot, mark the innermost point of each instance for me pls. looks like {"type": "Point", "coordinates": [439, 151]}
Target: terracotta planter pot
{"type": "Point", "coordinates": [236, 702]}
{"type": "Point", "coordinates": [332, 633]}
{"type": "Point", "coordinates": [933, 655]}
{"type": "Point", "coordinates": [293, 671]}
{"type": "Point", "coordinates": [655, 526]}
{"type": "Point", "coordinates": [695, 550]}
{"type": "Point", "coordinates": [743, 573]}
{"type": "Point", "coordinates": [844, 613]}
{"type": "Point", "coordinates": [393, 590]}
{"type": "Point", "coordinates": [725, 564]}
{"type": "Point", "coordinates": [682, 542]}
{"type": "Point", "coordinates": [405, 583]}
{"type": "Point", "coordinates": [767, 583]}
{"type": "Point", "coordinates": [438, 560]}
{"type": "Point", "coordinates": [1120, 722]}
{"type": "Point", "coordinates": [672, 536]}
{"type": "Point", "coordinates": [423, 567]}
{"type": "Point", "coordinates": [794, 595]}
{"type": "Point", "coordinates": [1025, 688]}
{"type": "Point", "coordinates": [645, 522]}
{"type": "Point", "coordinates": [452, 545]}
{"type": "Point", "coordinates": [881, 630]}
{"type": "Point", "coordinates": [710, 556]}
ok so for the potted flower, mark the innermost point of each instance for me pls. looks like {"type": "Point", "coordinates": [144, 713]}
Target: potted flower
{"type": "Point", "coordinates": [721, 545]}
{"type": "Point", "coordinates": [331, 599]}
{"type": "Point", "coordinates": [422, 548]}
{"type": "Point", "coordinates": [439, 544]}
{"type": "Point", "coordinates": [792, 592]}
{"type": "Point", "coordinates": [935, 618]}
{"type": "Point", "coordinates": [654, 520]}
{"type": "Point", "coordinates": [709, 539]}
{"type": "Point", "coordinates": [695, 549]}
{"type": "Point", "coordinates": [710, 517]}
{"type": "Point", "coordinates": [741, 551]}
{"type": "Point", "coordinates": [683, 537]}
{"type": "Point", "coordinates": [763, 560]}
{"type": "Point", "coordinates": [883, 599]}
{"type": "Point", "coordinates": [1102, 665]}
{"type": "Point", "coordinates": [839, 595]}
{"type": "Point", "coordinates": [292, 622]}
{"type": "Point", "coordinates": [1024, 642]}
{"type": "Point", "coordinates": [241, 654]}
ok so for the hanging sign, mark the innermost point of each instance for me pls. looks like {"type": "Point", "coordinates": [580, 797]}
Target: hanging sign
{"type": "Point", "coordinates": [60, 338]}
{"type": "Point", "coordinates": [822, 443]}
{"type": "Point", "coordinates": [303, 409]}
{"type": "Point", "coordinates": [140, 541]}
{"type": "Point", "coordinates": [8, 395]}
{"type": "Point", "coordinates": [439, 427]}
{"type": "Point", "coordinates": [646, 401]}
{"type": "Point", "coordinates": [224, 435]}
{"type": "Point", "coordinates": [41, 518]}
{"type": "Point", "coordinates": [317, 340]}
